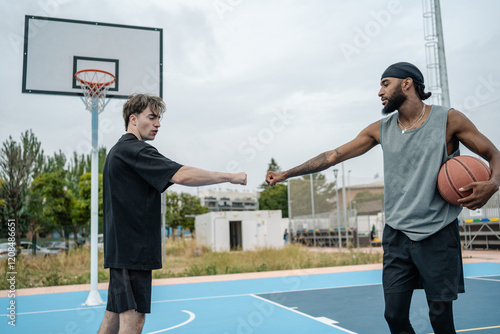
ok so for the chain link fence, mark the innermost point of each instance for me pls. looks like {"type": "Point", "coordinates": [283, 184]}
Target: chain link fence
{"type": "Point", "coordinates": [319, 218]}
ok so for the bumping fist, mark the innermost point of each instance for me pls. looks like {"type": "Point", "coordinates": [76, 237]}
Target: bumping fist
{"type": "Point", "coordinates": [239, 178]}
{"type": "Point", "coordinates": [274, 177]}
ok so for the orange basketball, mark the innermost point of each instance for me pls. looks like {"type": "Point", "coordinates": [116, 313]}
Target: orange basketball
{"type": "Point", "coordinates": [458, 172]}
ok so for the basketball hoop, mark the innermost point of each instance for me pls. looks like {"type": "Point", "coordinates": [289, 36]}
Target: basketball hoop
{"type": "Point", "coordinates": [95, 85]}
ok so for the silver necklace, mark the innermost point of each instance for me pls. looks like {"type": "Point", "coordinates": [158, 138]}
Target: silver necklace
{"type": "Point", "coordinates": [409, 127]}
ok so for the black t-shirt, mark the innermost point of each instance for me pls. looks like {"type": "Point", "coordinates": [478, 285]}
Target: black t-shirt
{"type": "Point", "coordinates": [135, 174]}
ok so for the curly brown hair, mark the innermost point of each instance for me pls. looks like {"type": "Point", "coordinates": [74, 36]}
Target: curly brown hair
{"type": "Point", "coordinates": [136, 104]}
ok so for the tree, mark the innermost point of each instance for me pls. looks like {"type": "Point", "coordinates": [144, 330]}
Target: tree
{"type": "Point", "coordinates": [55, 163]}
{"type": "Point", "coordinates": [37, 220]}
{"type": "Point", "coordinates": [3, 217]}
{"type": "Point", "coordinates": [180, 206]}
{"type": "Point", "coordinates": [275, 198]}
{"type": "Point", "coordinates": [65, 194]}
{"type": "Point", "coordinates": [19, 165]}
{"type": "Point", "coordinates": [2, 201]}
{"type": "Point", "coordinates": [79, 181]}
{"type": "Point", "coordinates": [78, 166]}
{"type": "Point", "coordinates": [365, 197]}
{"type": "Point", "coordinates": [58, 200]}
{"type": "Point", "coordinates": [82, 213]}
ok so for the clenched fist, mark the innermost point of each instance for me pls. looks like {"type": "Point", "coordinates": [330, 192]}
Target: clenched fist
{"type": "Point", "coordinates": [274, 177]}
{"type": "Point", "coordinates": [239, 178]}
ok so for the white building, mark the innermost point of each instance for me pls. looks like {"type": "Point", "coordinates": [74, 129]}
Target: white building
{"type": "Point", "coordinates": [229, 200]}
{"type": "Point", "coordinates": [240, 230]}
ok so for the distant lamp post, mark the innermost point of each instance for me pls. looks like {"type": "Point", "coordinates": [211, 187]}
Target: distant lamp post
{"type": "Point", "coordinates": [356, 215]}
{"type": "Point", "coordinates": [349, 188]}
{"type": "Point", "coordinates": [335, 173]}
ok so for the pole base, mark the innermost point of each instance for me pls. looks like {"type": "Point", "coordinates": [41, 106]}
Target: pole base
{"type": "Point", "coordinates": [93, 299]}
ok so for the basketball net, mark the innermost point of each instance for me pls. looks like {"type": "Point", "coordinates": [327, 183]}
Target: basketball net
{"type": "Point", "coordinates": [95, 85]}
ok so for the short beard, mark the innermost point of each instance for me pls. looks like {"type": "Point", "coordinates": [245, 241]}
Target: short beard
{"type": "Point", "coordinates": [394, 102]}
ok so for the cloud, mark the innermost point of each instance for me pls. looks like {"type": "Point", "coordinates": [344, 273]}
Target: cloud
{"type": "Point", "coordinates": [230, 68]}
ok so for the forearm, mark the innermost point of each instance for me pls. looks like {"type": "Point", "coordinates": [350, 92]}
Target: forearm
{"type": "Point", "coordinates": [366, 140]}
{"type": "Point", "coordinates": [495, 168]}
{"type": "Point", "coordinates": [314, 165]}
{"type": "Point", "coordinates": [191, 176]}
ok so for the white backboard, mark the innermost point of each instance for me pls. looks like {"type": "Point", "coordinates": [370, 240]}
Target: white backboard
{"type": "Point", "coordinates": [55, 49]}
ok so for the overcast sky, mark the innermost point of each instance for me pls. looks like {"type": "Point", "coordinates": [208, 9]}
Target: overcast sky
{"type": "Point", "coordinates": [248, 80]}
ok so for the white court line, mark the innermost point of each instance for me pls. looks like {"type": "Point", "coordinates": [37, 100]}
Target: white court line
{"type": "Point", "coordinates": [191, 318]}
{"type": "Point", "coordinates": [50, 311]}
{"type": "Point", "coordinates": [494, 275]}
{"type": "Point", "coordinates": [198, 298]}
{"type": "Point", "coordinates": [485, 279]}
{"type": "Point", "coordinates": [305, 315]}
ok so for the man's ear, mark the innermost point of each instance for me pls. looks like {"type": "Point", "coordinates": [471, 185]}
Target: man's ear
{"type": "Point", "coordinates": [406, 84]}
{"type": "Point", "coordinates": [132, 120]}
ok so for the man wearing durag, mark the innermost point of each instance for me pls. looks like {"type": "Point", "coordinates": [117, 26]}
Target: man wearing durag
{"type": "Point", "coordinates": [421, 241]}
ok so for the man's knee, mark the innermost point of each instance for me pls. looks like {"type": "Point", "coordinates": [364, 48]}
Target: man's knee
{"type": "Point", "coordinates": [398, 322]}
{"type": "Point", "coordinates": [441, 317]}
{"type": "Point", "coordinates": [110, 323]}
{"type": "Point", "coordinates": [395, 318]}
{"type": "Point", "coordinates": [141, 319]}
{"type": "Point", "coordinates": [132, 320]}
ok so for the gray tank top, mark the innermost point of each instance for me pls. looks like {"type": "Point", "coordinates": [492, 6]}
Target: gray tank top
{"type": "Point", "coordinates": [411, 165]}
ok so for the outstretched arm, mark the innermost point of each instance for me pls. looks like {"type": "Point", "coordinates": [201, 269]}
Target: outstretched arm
{"type": "Point", "coordinates": [461, 128]}
{"type": "Point", "coordinates": [192, 176]}
{"type": "Point", "coordinates": [366, 140]}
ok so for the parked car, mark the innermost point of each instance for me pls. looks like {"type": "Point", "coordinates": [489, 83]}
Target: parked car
{"type": "Point", "coordinates": [26, 250]}
{"type": "Point", "coordinates": [56, 246]}
{"type": "Point", "coordinates": [60, 246]}
{"type": "Point", "coordinates": [4, 250]}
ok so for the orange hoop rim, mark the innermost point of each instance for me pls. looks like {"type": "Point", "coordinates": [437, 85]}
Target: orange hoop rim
{"type": "Point", "coordinates": [93, 84]}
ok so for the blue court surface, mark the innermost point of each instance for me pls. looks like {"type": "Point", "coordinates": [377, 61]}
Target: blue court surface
{"type": "Point", "coordinates": [349, 302]}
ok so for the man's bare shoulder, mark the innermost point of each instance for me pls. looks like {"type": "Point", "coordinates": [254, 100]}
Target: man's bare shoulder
{"type": "Point", "coordinates": [457, 121]}
{"type": "Point", "coordinates": [373, 131]}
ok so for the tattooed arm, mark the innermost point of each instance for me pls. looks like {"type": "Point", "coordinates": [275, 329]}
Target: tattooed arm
{"type": "Point", "coordinates": [460, 128]}
{"type": "Point", "coordinates": [367, 139]}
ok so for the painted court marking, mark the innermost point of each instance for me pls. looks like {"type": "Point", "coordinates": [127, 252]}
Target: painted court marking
{"type": "Point", "coordinates": [474, 329]}
{"type": "Point", "coordinates": [329, 322]}
{"type": "Point", "coordinates": [477, 329]}
{"type": "Point", "coordinates": [53, 311]}
{"type": "Point", "coordinates": [191, 318]}
{"type": "Point", "coordinates": [485, 279]}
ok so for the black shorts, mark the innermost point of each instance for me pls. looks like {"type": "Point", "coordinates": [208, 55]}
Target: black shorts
{"type": "Point", "coordinates": [129, 290]}
{"type": "Point", "coordinates": [433, 264]}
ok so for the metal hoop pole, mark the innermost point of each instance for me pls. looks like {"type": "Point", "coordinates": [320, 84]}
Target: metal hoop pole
{"type": "Point", "coordinates": [94, 298]}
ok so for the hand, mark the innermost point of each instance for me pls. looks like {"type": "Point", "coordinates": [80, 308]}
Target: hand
{"type": "Point", "coordinates": [239, 178]}
{"type": "Point", "coordinates": [481, 193]}
{"type": "Point", "coordinates": [274, 177]}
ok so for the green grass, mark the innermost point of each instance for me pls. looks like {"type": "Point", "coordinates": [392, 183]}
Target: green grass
{"type": "Point", "coordinates": [184, 259]}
